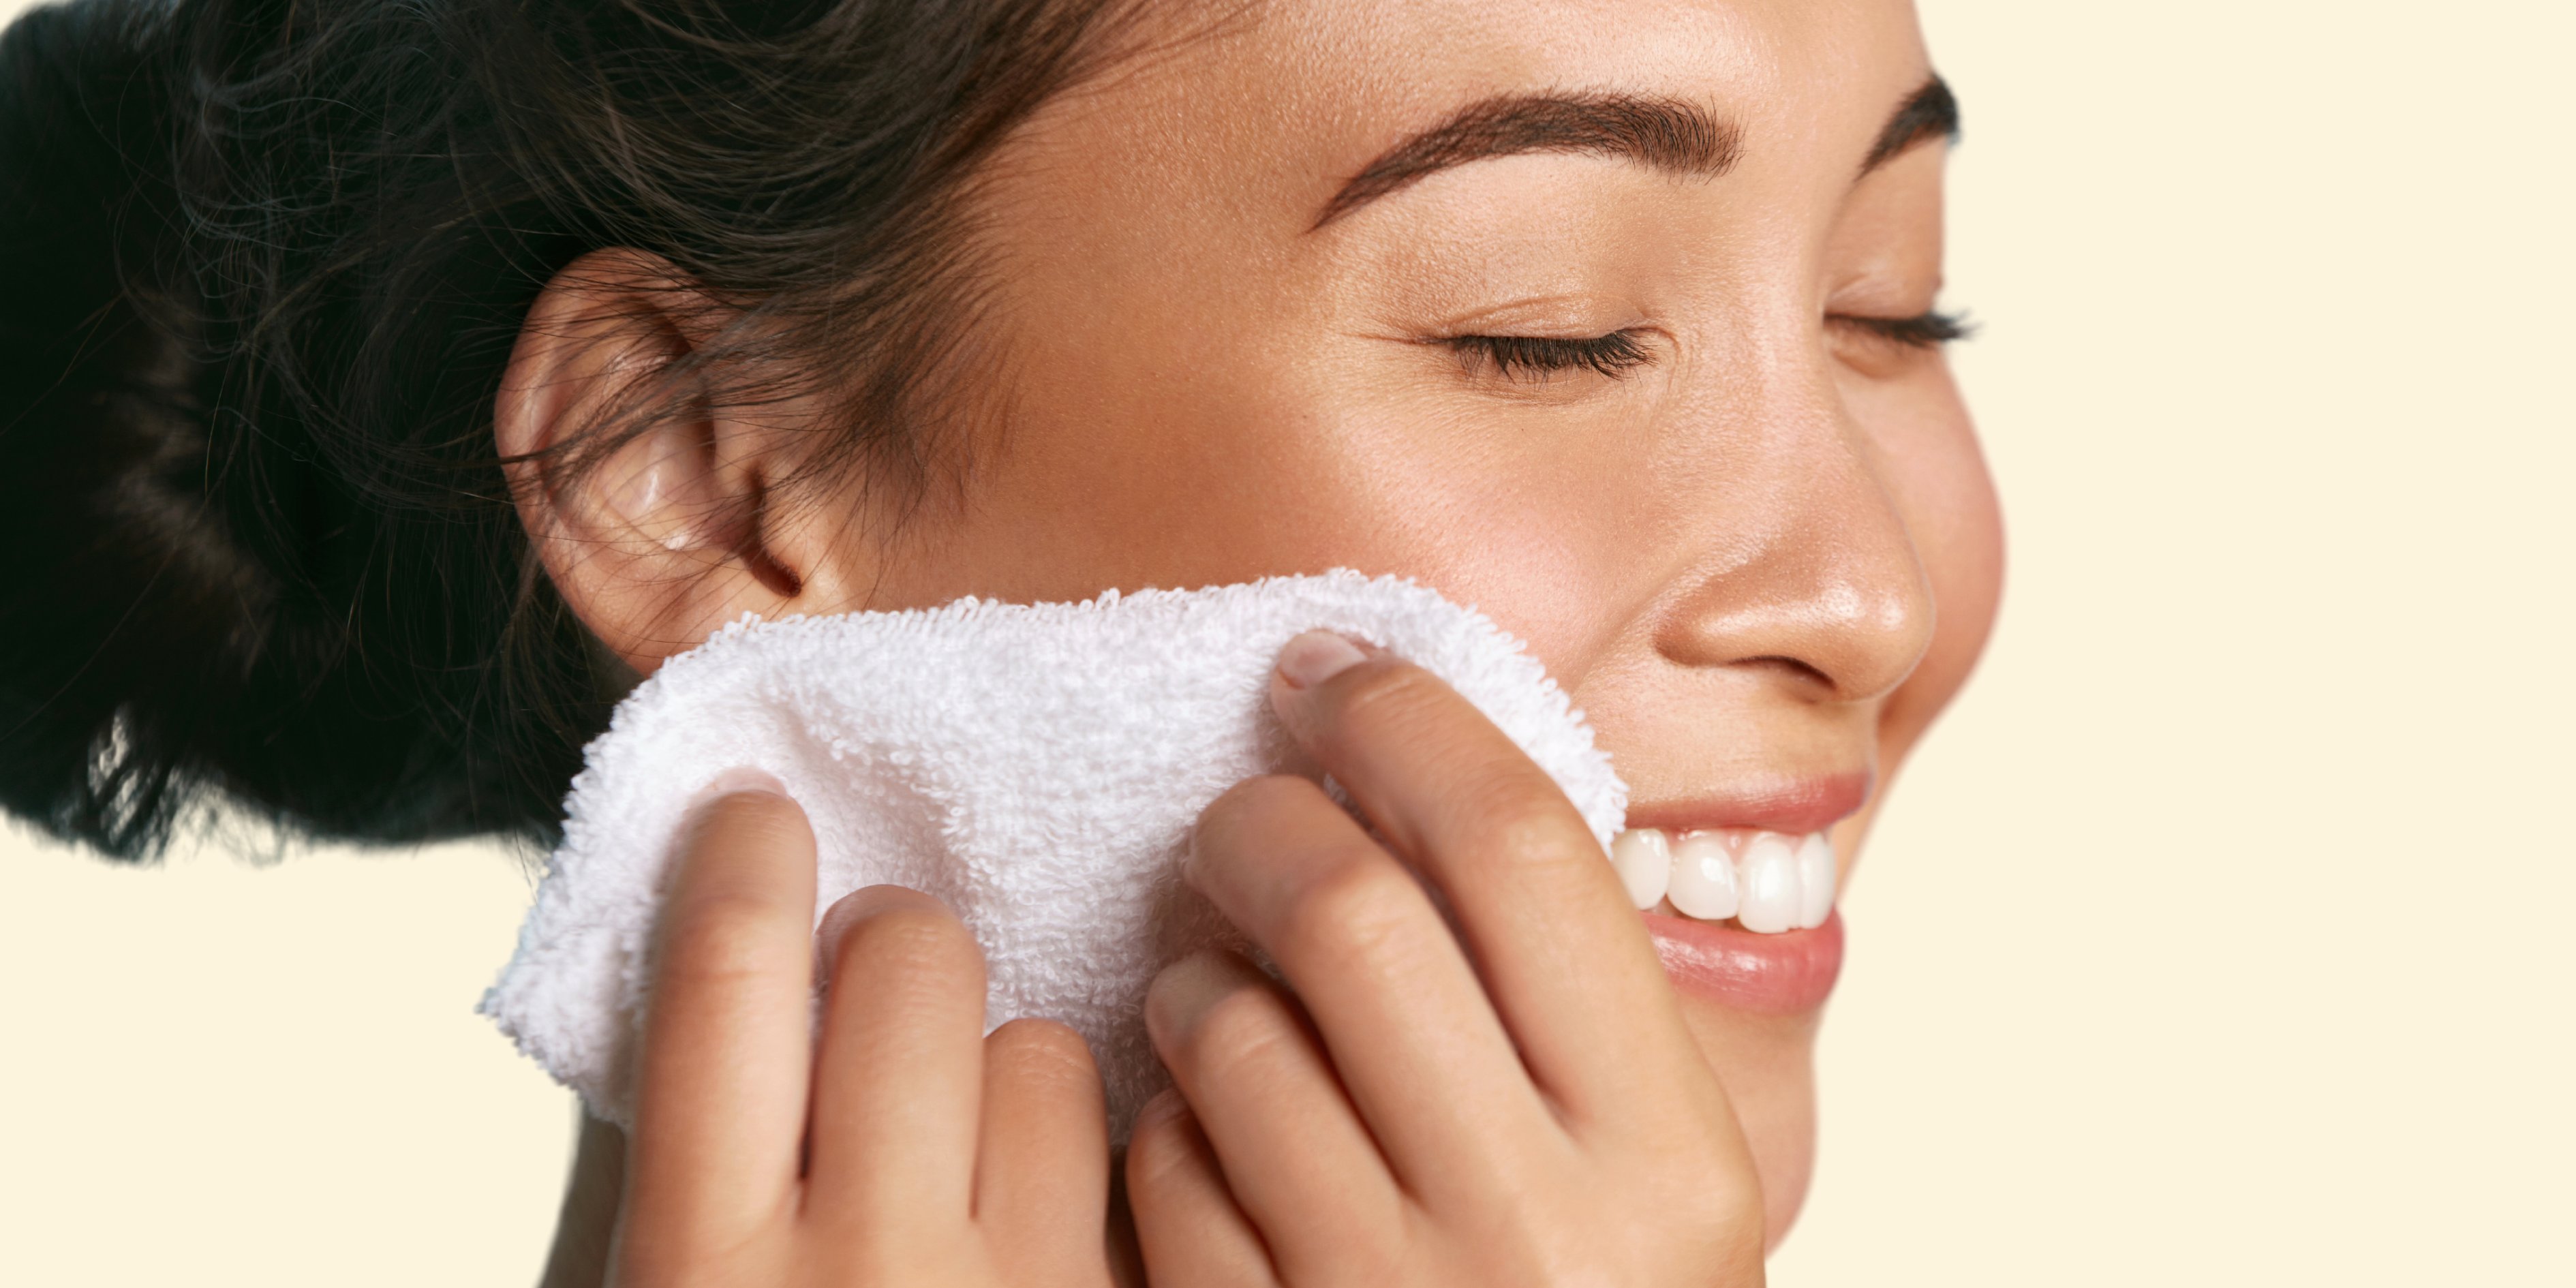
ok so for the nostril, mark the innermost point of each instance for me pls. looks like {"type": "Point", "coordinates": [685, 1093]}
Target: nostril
{"type": "Point", "coordinates": [1834, 608]}
{"type": "Point", "coordinates": [1790, 668]}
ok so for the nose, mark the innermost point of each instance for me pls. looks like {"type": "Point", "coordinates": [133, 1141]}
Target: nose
{"type": "Point", "coordinates": [1810, 572]}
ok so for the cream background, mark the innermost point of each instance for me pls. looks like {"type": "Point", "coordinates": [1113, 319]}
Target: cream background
{"type": "Point", "coordinates": [2214, 939]}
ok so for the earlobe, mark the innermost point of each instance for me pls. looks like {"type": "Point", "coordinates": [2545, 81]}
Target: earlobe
{"type": "Point", "coordinates": [659, 539]}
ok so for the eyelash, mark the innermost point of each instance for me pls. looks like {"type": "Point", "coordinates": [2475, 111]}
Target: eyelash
{"type": "Point", "coordinates": [1613, 355]}
{"type": "Point", "coordinates": [1616, 354]}
{"type": "Point", "coordinates": [1927, 330]}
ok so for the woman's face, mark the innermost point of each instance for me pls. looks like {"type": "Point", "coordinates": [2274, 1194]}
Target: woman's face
{"type": "Point", "coordinates": [1750, 534]}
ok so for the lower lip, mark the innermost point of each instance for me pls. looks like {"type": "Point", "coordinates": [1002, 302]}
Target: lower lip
{"type": "Point", "coordinates": [1783, 974]}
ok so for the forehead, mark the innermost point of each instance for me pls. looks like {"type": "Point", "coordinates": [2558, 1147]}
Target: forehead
{"type": "Point", "coordinates": [1395, 50]}
{"type": "Point", "coordinates": [1288, 98]}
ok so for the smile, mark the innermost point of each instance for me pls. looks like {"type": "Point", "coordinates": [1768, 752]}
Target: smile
{"type": "Point", "coordinates": [1765, 882]}
{"type": "Point", "coordinates": [1738, 891]}
{"type": "Point", "coordinates": [1756, 929]}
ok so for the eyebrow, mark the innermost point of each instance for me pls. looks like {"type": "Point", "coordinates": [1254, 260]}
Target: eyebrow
{"type": "Point", "coordinates": [1662, 133]}
{"type": "Point", "coordinates": [1931, 112]}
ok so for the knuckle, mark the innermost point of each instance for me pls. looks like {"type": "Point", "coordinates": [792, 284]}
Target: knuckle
{"type": "Point", "coordinates": [1398, 694]}
{"type": "Point", "coordinates": [1523, 830]}
{"type": "Point", "coordinates": [1492, 788]}
{"type": "Point", "coordinates": [1243, 808]}
{"type": "Point", "coordinates": [1160, 1151]}
{"type": "Point", "coordinates": [1517, 820]}
{"type": "Point", "coordinates": [1355, 906]}
{"type": "Point", "coordinates": [721, 934]}
{"type": "Point", "coordinates": [723, 947]}
{"type": "Point", "coordinates": [1239, 1032]}
{"type": "Point", "coordinates": [1179, 997]}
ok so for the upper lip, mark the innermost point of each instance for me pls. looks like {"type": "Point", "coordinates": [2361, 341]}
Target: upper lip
{"type": "Point", "coordinates": [1793, 805]}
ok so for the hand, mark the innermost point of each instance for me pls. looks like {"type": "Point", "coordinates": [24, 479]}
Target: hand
{"type": "Point", "coordinates": [1515, 1103]}
{"type": "Point", "coordinates": [900, 1146]}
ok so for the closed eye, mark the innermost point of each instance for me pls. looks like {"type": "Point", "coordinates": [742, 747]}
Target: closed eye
{"type": "Point", "coordinates": [1515, 357]}
{"type": "Point", "coordinates": [1926, 330]}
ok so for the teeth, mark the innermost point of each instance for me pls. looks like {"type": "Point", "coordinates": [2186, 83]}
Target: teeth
{"type": "Point", "coordinates": [1767, 882]}
{"type": "Point", "coordinates": [1704, 877]}
{"type": "Point", "coordinates": [1645, 863]}
{"type": "Point", "coordinates": [1815, 881]}
{"type": "Point", "coordinates": [1770, 885]}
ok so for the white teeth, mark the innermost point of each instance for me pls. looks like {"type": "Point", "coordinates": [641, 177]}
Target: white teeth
{"type": "Point", "coordinates": [1645, 863]}
{"type": "Point", "coordinates": [1770, 885]}
{"type": "Point", "coordinates": [1815, 881]}
{"type": "Point", "coordinates": [1703, 883]}
{"type": "Point", "coordinates": [1767, 882]}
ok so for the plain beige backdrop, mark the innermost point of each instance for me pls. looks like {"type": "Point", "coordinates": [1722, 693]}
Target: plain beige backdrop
{"type": "Point", "coordinates": [2217, 937]}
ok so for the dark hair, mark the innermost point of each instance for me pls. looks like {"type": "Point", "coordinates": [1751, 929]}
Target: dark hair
{"type": "Point", "coordinates": [264, 263]}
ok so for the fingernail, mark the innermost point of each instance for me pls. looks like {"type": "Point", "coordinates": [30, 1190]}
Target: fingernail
{"type": "Point", "coordinates": [849, 910]}
{"type": "Point", "coordinates": [1317, 656]}
{"type": "Point", "coordinates": [742, 779]}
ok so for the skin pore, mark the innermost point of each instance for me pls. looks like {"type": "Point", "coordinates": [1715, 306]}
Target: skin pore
{"type": "Point", "coordinates": [1649, 386]}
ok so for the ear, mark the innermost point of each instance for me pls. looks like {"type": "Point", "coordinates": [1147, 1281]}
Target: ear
{"type": "Point", "coordinates": [665, 539]}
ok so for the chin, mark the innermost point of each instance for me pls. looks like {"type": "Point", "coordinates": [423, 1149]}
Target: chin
{"type": "Point", "coordinates": [1768, 1065]}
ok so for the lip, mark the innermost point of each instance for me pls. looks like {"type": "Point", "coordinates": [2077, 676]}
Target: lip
{"type": "Point", "coordinates": [1790, 973]}
{"type": "Point", "coordinates": [1795, 806]}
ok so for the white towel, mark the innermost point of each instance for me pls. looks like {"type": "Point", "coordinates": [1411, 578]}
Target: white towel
{"type": "Point", "coordinates": [1037, 768]}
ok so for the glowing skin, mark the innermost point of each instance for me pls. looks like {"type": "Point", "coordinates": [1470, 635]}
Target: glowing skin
{"type": "Point", "coordinates": [1767, 557]}
{"type": "Point", "coordinates": [1761, 560]}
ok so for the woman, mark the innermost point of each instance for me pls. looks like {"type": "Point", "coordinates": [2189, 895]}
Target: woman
{"type": "Point", "coordinates": [391, 387]}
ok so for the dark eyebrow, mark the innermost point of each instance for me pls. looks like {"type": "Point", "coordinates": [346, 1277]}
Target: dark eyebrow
{"type": "Point", "coordinates": [1659, 132]}
{"type": "Point", "coordinates": [1930, 112]}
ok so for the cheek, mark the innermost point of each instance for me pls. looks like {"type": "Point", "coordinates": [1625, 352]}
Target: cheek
{"type": "Point", "coordinates": [1517, 523]}
{"type": "Point", "coordinates": [1254, 467]}
{"type": "Point", "coordinates": [1936, 475]}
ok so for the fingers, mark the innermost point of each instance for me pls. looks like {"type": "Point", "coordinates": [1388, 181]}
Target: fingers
{"type": "Point", "coordinates": [899, 1068]}
{"type": "Point", "coordinates": [1187, 1222]}
{"type": "Point", "coordinates": [1542, 913]}
{"type": "Point", "coordinates": [1410, 1034]}
{"type": "Point", "coordinates": [1266, 1098]}
{"type": "Point", "coordinates": [925, 1152]}
{"type": "Point", "coordinates": [1042, 1163]}
{"type": "Point", "coordinates": [720, 1106]}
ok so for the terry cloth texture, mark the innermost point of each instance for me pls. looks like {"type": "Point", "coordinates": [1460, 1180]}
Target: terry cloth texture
{"type": "Point", "coordinates": [1035, 767]}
